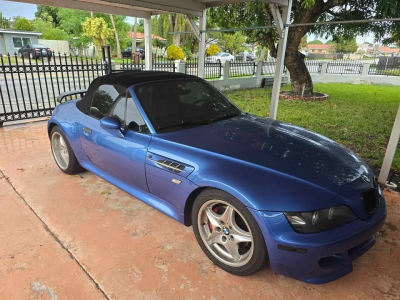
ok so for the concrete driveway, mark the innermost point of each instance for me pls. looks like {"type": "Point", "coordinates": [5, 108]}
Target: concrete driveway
{"type": "Point", "coordinates": [79, 237]}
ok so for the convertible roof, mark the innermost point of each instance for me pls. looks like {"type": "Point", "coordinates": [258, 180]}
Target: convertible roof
{"type": "Point", "coordinates": [126, 79]}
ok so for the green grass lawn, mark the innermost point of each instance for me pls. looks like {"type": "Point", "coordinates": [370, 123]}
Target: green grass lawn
{"type": "Point", "coordinates": [360, 117]}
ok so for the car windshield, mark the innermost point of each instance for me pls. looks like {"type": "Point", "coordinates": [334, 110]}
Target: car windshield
{"type": "Point", "coordinates": [39, 46]}
{"type": "Point", "coordinates": [179, 104]}
{"type": "Point", "coordinates": [218, 54]}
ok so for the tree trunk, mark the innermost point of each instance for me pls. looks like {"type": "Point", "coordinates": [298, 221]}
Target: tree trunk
{"type": "Point", "coordinates": [176, 39]}
{"type": "Point", "coordinates": [119, 54]}
{"type": "Point", "coordinates": [300, 77]}
{"type": "Point", "coordinates": [134, 37]}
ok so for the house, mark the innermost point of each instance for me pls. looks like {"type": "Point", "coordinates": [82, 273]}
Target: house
{"type": "Point", "coordinates": [140, 36]}
{"type": "Point", "coordinates": [377, 50]}
{"type": "Point", "coordinates": [383, 50]}
{"type": "Point", "coordinates": [317, 48]}
{"type": "Point", "coordinates": [12, 40]}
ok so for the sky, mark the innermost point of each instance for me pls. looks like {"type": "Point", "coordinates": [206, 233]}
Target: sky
{"type": "Point", "coordinates": [11, 9]}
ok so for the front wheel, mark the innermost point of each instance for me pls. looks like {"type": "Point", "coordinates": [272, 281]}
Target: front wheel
{"type": "Point", "coordinates": [63, 153]}
{"type": "Point", "coordinates": [228, 233]}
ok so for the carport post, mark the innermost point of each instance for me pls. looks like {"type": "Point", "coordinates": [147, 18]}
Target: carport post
{"type": "Point", "coordinates": [148, 43]}
{"type": "Point", "coordinates": [202, 45]}
{"type": "Point", "coordinates": [280, 58]}
{"type": "Point", "coordinates": [390, 150]}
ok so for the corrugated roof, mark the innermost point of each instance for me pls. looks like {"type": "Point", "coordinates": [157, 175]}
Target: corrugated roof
{"type": "Point", "coordinates": [20, 32]}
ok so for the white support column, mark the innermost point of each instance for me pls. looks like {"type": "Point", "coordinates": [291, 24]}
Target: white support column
{"type": "Point", "coordinates": [390, 150]}
{"type": "Point", "coordinates": [280, 59]}
{"type": "Point", "coordinates": [202, 44]}
{"type": "Point", "coordinates": [148, 43]}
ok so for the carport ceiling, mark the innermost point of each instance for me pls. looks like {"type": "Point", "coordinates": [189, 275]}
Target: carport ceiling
{"type": "Point", "coordinates": [142, 8]}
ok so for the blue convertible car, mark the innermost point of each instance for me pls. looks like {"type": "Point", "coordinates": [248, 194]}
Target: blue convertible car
{"type": "Point", "coordinates": [253, 188]}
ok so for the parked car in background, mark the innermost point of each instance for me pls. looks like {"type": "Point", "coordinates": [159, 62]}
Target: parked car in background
{"type": "Point", "coordinates": [251, 187]}
{"type": "Point", "coordinates": [249, 57]}
{"type": "Point", "coordinates": [220, 57]}
{"type": "Point", "coordinates": [128, 52]}
{"type": "Point", "coordinates": [35, 51]}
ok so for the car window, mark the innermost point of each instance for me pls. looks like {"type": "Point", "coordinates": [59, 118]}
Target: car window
{"type": "Point", "coordinates": [118, 110]}
{"type": "Point", "coordinates": [224, 55]}
{"type": "Point", "coordinates": [134, 120]}
{"type": "Point", "coordinates": [103, 99]}
{"type": "Point", "coordinates": [175, 103]}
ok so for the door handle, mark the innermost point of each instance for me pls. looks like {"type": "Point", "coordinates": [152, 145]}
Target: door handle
{"type": "Point", "coordinates": [87, 130]}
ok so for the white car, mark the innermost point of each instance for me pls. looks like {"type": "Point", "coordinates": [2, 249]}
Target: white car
{"type": "Point", "coordinates": [220, 57]}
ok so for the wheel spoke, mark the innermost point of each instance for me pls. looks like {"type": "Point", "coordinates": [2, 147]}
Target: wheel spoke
{"type": "Point", "coordinates": [228, 216]}
{"type": "Point", "coordinates": [62, 142]}
{"type": "Point", "coordinates": [241, 236]}
{"type": "Point", "coordinates": [233, 250]}
{"type": "Point", "coordinates": [214, 238]}
{"type": "Point", "coordinates": [212, 217]}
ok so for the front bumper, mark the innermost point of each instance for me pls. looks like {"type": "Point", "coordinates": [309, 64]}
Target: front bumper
{"type": "Point", "coordinates": [328, 255]}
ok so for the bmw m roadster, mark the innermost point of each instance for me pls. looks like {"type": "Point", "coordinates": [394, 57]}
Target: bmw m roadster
{"type": "Point", "coordinates": [252, 188]}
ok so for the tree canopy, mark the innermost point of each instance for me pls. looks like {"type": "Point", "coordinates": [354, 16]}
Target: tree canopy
{"type": "Point", "coordinates": [254, 14]}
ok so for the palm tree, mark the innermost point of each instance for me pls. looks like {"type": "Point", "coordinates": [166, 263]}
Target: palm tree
{"type": "Point", "coordinates": [116, 37]}
{"type": "Point", "coordinates": [134, 37]}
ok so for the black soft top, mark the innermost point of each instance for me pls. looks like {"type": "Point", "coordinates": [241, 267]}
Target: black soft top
{"type": "Point", "coordinates": [126, 79]}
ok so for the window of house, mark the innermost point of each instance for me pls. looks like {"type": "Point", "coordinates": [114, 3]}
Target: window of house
{"type": "Point", "coordinates": [26, 41]}
{"type": "Point", "coordinates": [20, 42]}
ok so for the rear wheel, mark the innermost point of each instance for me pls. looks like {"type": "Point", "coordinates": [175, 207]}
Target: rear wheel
{"type": "Point", "coordinates": [62, 152]}
{"type": "Point", "coordinates": [228, 233]}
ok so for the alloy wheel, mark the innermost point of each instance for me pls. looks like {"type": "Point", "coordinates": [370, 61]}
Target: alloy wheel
{"type": "Point", "coordinates": [60, 150]}
{"type": "Point", "coordinates": [225, 232]}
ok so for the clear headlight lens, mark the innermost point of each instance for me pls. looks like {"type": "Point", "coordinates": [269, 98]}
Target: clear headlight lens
{"type": "Point", "coordinates": [320, 220]}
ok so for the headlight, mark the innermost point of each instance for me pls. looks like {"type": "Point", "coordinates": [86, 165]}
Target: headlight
{"type": "Point", "coordinates": [320, 220]}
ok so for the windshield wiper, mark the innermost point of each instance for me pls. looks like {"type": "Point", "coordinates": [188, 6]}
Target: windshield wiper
{"type": "Point", "coordinates": [202, 122]}
{"type": "Point", "coordinates": [226, 116]}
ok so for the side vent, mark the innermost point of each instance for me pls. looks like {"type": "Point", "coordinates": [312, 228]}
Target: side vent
{"type": "Point", "coordinates": [171, 166]}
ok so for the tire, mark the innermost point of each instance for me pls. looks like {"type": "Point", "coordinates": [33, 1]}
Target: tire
{"type": "Point", "coordinates": [59, 146]}
{"type": "Point", "coordinates": [218, 61]}
{"type": "Point", "coordinates": [239, 235]}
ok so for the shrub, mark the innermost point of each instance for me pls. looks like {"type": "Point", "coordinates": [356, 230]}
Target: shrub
{"type": "Point", "coordinates": [174, 52]}
{"type": "Point", "coordinates": [213, 49]}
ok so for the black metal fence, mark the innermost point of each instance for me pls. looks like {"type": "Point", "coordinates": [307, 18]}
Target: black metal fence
{"type": "Point", "coordinates": [389, 66]}
{"type": "Point", "coordinates": [344, 66]}
{"type": "Point", "coordinates": [29, 87]}
{"type": "Point", "coordinates": [135, 63]}
{"type": "Point", "coordinates": [242, 69]}
{"type": "Point", "coordinates": [268, 66]}
{"type": "Point", "coordinates": [211, 70]}
{"type": "Point", "coordinates": [313, 66]}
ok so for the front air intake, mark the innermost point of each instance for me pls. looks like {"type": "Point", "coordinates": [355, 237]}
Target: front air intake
{"type": "Point", "coordinates": [371, 200]}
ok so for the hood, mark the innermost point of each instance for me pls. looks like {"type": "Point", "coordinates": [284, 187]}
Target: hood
{"type": "Point", "coordinates": [279, 146]}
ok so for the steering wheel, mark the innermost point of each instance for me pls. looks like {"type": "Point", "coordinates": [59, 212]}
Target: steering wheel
{"type": "Point", "coordinates": [196, 103]}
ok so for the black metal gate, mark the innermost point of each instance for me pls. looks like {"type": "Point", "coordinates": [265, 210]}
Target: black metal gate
{"type": "Point", "coordinates": [29, 87]}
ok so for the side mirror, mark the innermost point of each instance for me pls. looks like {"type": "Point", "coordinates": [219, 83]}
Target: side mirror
{"type": "Point", "coordinates": [112, 123]}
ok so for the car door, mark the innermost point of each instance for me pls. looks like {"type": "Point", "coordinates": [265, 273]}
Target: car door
{"type": "Point", "coordinates": [122, 158]}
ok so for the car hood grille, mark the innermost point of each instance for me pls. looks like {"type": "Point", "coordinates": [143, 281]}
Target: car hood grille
{"type": "Point", "coordinates": [279, 146]}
